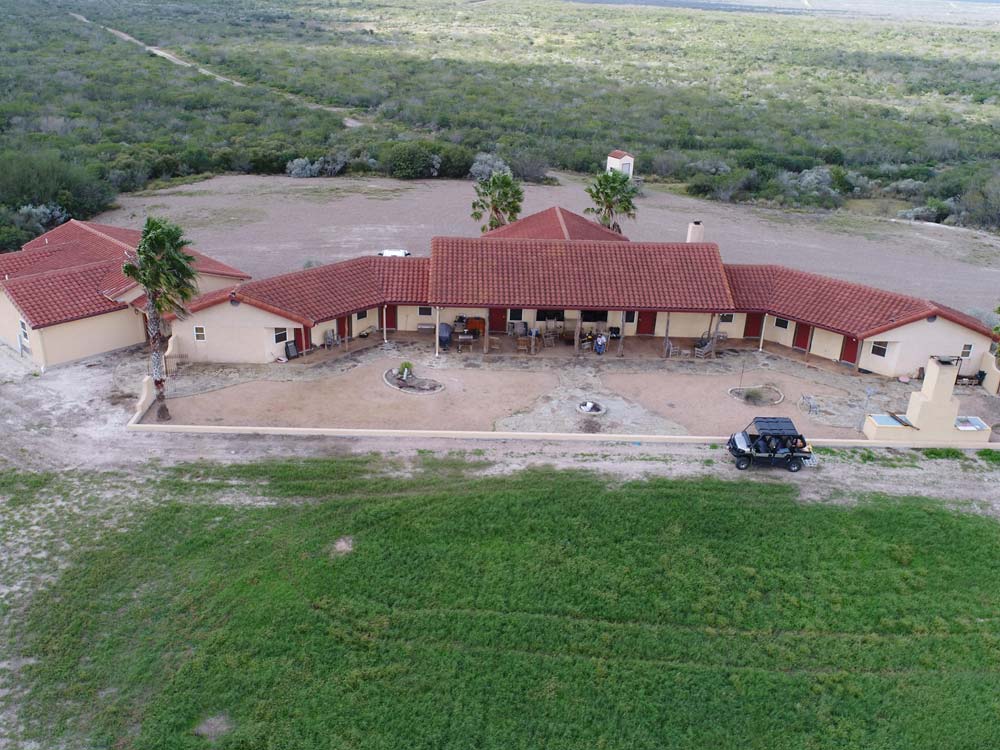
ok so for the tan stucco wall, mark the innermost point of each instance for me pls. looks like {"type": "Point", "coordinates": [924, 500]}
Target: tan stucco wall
{"type": "Point", "coordinates": [912, 344]}
{"type": "Point", "coordinates": [826, 344]}
{"type": "Point", "coordinates": [783, 336]}
{"type": "Point", "coordinates": [407, 317]}
{"type": "Point", "coordinates": [208, 283]}
{"type": "Point", "coordinates": [84, 338]}
{"type": "Point", "coordinates": [684, 325]}
{"type": "Point", "coordinates": [9, 326]}
{"type": "Point", "coordinates": [232, 334]}
{"type": "Point", "coordinates": [988, 363]}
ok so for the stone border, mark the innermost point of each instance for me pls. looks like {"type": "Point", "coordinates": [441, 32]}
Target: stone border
{"type": "Point", "coordinates": [411, 391]}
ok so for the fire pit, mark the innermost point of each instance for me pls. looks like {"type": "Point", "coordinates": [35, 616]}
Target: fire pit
{"type": "Point", "coordinates": [590, 407]}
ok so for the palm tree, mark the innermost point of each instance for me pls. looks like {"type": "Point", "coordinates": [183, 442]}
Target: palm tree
{"type": "Point", "coordinates": [499, 197]}
{"type": "Point", "coordinates": [613, 194]}
{"type": "Point", "coordinates": [163, 270]}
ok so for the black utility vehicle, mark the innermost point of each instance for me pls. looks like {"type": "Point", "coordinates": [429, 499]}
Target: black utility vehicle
{"type": "Point", "coordinates": [770, 440]}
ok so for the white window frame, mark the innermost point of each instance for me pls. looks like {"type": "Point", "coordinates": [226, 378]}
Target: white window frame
{"type": "Point", "coordinates": [726, 317]}
{"type": "Point", "coordinates": [200, 334]}
{"type": "Point", "coordinates": [23, 329]}
{"type": "Point", "coordinates": [283, 332]}
{"type": "Point", "coordinates": [883, 346]}
{"type": "Point", "coordinates": [421, 313]}
{"type": "Point", "coordinates": [781, 323]}
{"type": "Point", "coordinates": [967, 350]}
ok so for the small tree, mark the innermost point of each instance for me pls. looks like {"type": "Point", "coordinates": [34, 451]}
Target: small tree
{"type": "Point", "coordinates": [164, 271]}
{"type": "Point", "coordinates": [613, 194]}
{"type": "Point", "coordinates": [499, 197]}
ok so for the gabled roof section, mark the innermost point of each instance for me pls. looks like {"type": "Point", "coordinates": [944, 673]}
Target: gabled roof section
{"type": "Point", "coordinates": [836, 305]}
{"type": "Point", "coordinates": [61, 296]}
{"type": "Point", "coordinates": [486, 272]}
{"type": "Point", "coordinates": [555, 223]}
{"type": "Point", "coordinates": [619, 154]}
{"type": "Point", "coordinates": [85, 260]}
{"type": "Point", "coordinates": [326, 292]}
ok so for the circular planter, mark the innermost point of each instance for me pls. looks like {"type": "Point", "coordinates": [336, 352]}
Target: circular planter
{"type": "Point", "coordinates": [416, 386]}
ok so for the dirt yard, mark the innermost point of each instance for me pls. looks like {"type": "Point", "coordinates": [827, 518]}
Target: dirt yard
{"type": "Point", "coordinates": [271, 225]}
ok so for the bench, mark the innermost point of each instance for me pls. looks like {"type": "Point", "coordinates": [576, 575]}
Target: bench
{"type": "Point", "coordinates": [428, 327]}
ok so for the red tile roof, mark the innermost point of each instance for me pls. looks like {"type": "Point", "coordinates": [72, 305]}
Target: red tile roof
{"type": "Point", "coordinates": [84, 260]}
{"type": "Point", "coordinates": [555, 223]}
{"type": "Point", "coordinates": [618, 154]}
{"type": "Point", "coordinates": [840, 306]}
{"type": "Point", "coordinates": [62, 295]}
{"type": "Point", "coordinates": [484, 272]}
{"type": "Point", "coordinates": [331, 291]}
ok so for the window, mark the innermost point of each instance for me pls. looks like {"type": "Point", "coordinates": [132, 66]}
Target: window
{"type": "Point", "coordinates": [280, 335]}
{"type": "Point", "coordinates": [199, 333]}
{"type": "Point", "coordinates": [362, 315]}
{"type": "Point", "coordinates": [517, 314]}
{"type": "Point", "coordinates": [24, 330]}
{"type": "Point", "coordinates": [879, 348]}
{"type": "Point", "coordinates": [725, 317]}
{"type": "Point", "coordinates": [595, 316]}
{"type": "Point", "coordinates": [630, 316]}
{"type": "Point", "coordinates": [550, 315]}
{"type": "Point", "coordinates": [780, 323]}
{"type": "Point", "coordinates": [966, 351]}
{"type": "Point", "coordinates": [424, 311]}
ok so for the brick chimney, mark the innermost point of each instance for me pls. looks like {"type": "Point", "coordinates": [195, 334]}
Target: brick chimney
{"type": "Point", "coordinates": [696, 232]}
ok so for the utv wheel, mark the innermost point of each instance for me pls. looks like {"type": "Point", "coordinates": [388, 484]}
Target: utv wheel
{"type": "Point", "coordinates": [794, 464]}
{"type": "Point", "coordinates": [742, 463]}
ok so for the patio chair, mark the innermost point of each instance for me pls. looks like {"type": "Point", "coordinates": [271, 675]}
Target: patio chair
{"type": "Point", "coordinates": [549, 338]}
{"type": "Point", "coordinates": [493, 344]}
{"type": "Point", "coordinates": [330, 339]}
{"type": "Point", "coordinates": [705, 350]}
{"type": "Point", "coordinates": [523, 344]}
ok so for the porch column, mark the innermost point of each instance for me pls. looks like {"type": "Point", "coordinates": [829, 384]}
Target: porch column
{"type": "Point", "coordinates": [857, 359]}
{"type": "Point", "coordinates": [486, 335]}
{"type": "Point", "coordinates": [576, 333]}
{"type": "Point", "coordinates": [385, 324]}
{"type": "Point", "coordinates": [437, 331]}
{"type": "Point", "coordinates": [809, 346]}
{"type": "Point", "coordinates": [621, 335]}
{"type": "Point", "coordinates": [666, 338]}
{"type": "Point", "coordinates": [347, 333]}
{"type": "Point", "coordinates": [715, 333]}
{"type": "Point", "coordinates": [763, 327]}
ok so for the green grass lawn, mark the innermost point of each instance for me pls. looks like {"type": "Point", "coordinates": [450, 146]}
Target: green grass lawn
{"type": "Point", "coordinates": [540, 610]}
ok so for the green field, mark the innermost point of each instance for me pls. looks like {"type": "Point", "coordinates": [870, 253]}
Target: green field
{"type": "Point", "coordinates": [544, 609]}
{"type": "Point", "coordinates": [791, 110]}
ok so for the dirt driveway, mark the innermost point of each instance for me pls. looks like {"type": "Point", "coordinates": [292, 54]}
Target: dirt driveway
{"type": "Point", "coordinates": [270, 225]}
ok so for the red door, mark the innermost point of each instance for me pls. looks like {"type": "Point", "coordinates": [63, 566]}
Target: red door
{"type": "Point", "coordinates": [801, 339]}
{"type": "Point", "coordinates": [645, 324]}
{"type": "Point", "coordinates": [300, 340]}
{"type": "Point", "coordinates": [342, 327]}
{"type": "Point", "coordinates": [753, 326]}
{"type": "Point", "coordinates": [498, 320]}
{"type": "Point", "coordinates": [388, 320]}
{"type": "Point", "coordinates": [849, 352]}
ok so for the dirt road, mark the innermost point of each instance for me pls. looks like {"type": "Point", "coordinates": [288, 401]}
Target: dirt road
{"type": "Point", "coordinates": [270, 225]}
{"type": "Point", "coordinates": [169, 56]}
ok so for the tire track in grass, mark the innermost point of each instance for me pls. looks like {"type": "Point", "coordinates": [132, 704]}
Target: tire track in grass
{"type": "Point", "coordinates": [349, 122]}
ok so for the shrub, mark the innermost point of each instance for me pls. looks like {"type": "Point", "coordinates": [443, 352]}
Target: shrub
{"type": "Point", "coordinates": [530, 166]}
{"type": "Point", "coordinates": [455, 160]}
{"type": "Point", "coordinates": [486, 165]}
{"type": "Point", "coordinates": [412, 160]}
{"type": "Point", "coordinates": [404, 366]}
{"type": "Point", "coordinates": [325, 166]}
{"type": "Point", "coordinates": [943, 453]}
{"type": "Point", "coordinates": [989, 455]}
{"type": "Point", "coordinates": [754, 396]}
